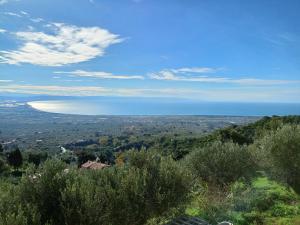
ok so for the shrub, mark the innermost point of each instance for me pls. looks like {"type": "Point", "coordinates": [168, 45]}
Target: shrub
{"type": "Point", "coordinates": [129, 194]}
{"type": "Point", "coordinates": [36, 157]}
{"type": "Point", "coordinates": [221, 163]}
{"type": "Point", "coordinates": [15, 158]}
{"type": "Point", "coordinates": [280, 154]}
{"type": "Point", "coordinates": [2, 166]}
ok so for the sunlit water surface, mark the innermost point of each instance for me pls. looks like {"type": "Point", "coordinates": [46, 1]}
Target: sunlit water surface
{"type": "Point", "coordinates": [162, 107]}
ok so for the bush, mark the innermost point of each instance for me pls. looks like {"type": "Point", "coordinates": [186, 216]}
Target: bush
{"type": "Point", "coordinates": [221, 163]}
{"type": "Point", "coordinates": [15, 158]}
{"type": "Point", "coordinates": [128, 194]}
{"type": "Point", "coordinates": [281, 149]}
{"type": "Point", "coordinates": [2, 166]}
{"type": "Point", "coordinates": [36, 157]}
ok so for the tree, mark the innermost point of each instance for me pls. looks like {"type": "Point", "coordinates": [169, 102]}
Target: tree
{"type": "Point", "coordinates": [36, 157]}
{"type": "Point", "coordinates": [105, 156]}
{"type": "Point", "coordinates": [1, 148]}
{"type": "Point", "coordinates": [282, 151]}
{"type": "Point", "coordinates": [2, 165]}
{"type": "Point", "coordinates": [221, 163]}
{"type": "Point", "coordinates": [15, 158]}
{"type": "Point", "coordinates": [84, 156]}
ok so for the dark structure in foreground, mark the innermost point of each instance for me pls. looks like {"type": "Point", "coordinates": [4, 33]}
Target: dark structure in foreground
{"type": "Point", "coordinates": [185, 220]}
{"type": "Point", "coordinates": [188, 220]}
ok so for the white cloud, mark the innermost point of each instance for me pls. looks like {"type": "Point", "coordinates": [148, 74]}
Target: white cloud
{"type": "Point", "coordinates": [24, 13]}
{"type": "Point", "coordinates": [3, 2]}
{"type": "Point", "coordinates": [225, 94]}
{"type": "Point", "coordinates": [6, 1]}
{"type": "Point", "coordinates": [99, 74]}
{"type": "Point", "coordinates": [37, 20]}
{"type": "Point", "coordinates": [2, 31]}
{"type": "Point", "coordinates": [12, 14]}
{"type": "Point", "coordinates": [5, 81]}
{"type": "Point", "coordinates": [184, 74]}
{"type": "Point", "coordinates": [69, 90]}
{"type": "Point", "coordinates": [195, 70]}
{"type": "Point", "coordinates": [69, 44]}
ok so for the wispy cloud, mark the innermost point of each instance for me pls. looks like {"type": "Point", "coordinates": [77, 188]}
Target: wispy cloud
{"type": "Point", "coordinates": [282, 39]}
{"type": "Point", "coordinates": [24, 13]}
{"type": "Point", "coordinates": [187, 74]}
{"type": "Point", "coordinates": [6, 1]}
{"type": "Point", "coordinates": [232, 94]}
{"type": "Point", "coordinates": [37, 20]}
{"type": "Point", "coordinates": [194, 74]}
{"type": "Point", "coordinates": [69, 90]}
{"type": "Point", "coordinates": [5, 81]}
{"type": "Point", "coordinates": [195, 70]}
{"type": "Point", "coordinates": [12, 14]}
{"type": "Point", "coordinates": [69, 44]}
{"type": "Point", "coordinates": [2, 30]}
{"type": "Point", "coordinates": [99, 74]}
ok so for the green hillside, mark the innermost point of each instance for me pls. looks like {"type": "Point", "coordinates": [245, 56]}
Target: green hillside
{"type": "Point", "coordinates": [244, 174]}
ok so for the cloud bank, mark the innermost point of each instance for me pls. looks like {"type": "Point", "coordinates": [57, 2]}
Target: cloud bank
{"type": "Point", "coordinates": [230, 95]}
{"type": "Point", "coordinates": [188, 75]}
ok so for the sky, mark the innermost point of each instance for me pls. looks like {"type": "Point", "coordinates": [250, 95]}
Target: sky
{"type": "Point", "coordinates": [204, 50]}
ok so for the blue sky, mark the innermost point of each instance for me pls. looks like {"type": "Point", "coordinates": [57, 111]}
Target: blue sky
{"type": "Point", "coordinates": [244, 51]}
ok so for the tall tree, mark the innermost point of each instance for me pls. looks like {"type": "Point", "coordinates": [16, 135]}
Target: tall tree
{"type": "Point", "coordinates": [84, 156]}
{"type": "Point", "coordinates": [15, 158]}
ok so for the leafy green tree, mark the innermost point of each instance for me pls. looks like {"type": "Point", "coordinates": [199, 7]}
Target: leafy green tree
{"type": "Point", "coordinates": [231, 134]}
{"type": "Point", "coordinates": [221, 163]}
{"type": "Point", "coordinates": [36, 157]}
{"type": "Point", "coordinates": [2, 165]}
{"type": "Point", "coordinates": [1, 148]}
{"type": "Point", "coordinates": [105, 156]}
{"type": "Point", "coordinates": [146, 187]}
{"type": "Point", "coordinates": [15, 158]}
{"type": "Point", "coordinates": [42, 190]}
{"type": "Point", "coordinates": [84, 156]}
{"type": "Point", "coordinates": [279, 153]}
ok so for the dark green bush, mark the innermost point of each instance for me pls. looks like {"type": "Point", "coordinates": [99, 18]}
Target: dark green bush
{"type": "Point", "coordinates": [128, 194]}
{"type": "Point", "coordinates": [221, 163]}
{"type": "Point", "coordinates": [279, 154]}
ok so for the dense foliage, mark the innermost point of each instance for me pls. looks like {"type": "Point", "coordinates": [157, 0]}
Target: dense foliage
{"type": "Point", "coordinates": [281, 151]}
{"type": "Point", "coordinates": [244, 174]}
{"type": "Point", "coordinates": [221, 163]}
{"type": "Point", "coordinates": [147, 186]}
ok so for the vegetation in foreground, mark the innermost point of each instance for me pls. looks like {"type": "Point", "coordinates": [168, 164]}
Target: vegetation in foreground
{"type": "Point", "coordinates": [244, 174]}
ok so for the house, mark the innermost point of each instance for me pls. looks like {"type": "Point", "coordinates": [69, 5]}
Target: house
{"type": "Point", "coordinates": [94, 165]}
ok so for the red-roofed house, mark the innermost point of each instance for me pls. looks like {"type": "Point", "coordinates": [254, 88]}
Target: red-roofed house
{"type": "Point", "coordinates": [94, 165]}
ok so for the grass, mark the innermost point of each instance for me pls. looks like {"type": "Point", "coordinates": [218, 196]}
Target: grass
{"type": "Point", "coordinates": [263, 201]}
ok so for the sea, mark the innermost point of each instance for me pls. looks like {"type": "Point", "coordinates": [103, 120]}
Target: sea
{"type": "Point", "coordinates": [147, 106]}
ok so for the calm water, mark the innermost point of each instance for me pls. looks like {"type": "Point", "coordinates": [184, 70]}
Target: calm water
{"type": "Point", "coordinates": [162, 107]}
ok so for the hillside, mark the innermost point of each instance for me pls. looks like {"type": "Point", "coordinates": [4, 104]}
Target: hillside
{"type": "Point", "coordinates": [246, 174]}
